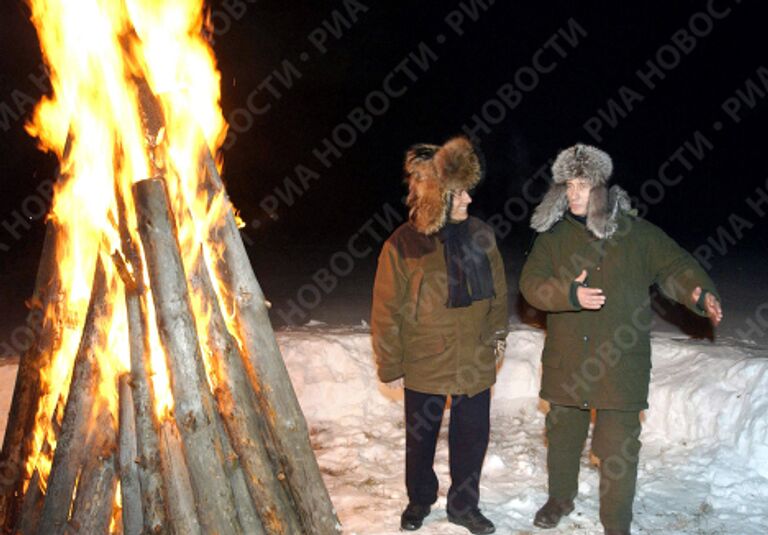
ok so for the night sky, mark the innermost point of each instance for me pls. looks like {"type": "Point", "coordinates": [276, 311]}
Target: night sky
{"type": "Point", "coordinates": [324, 99]}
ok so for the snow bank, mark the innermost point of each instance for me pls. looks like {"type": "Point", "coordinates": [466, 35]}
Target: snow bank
{"type": "Point", "coordinates": [710, 395]}
{"type": "Point", "coordinates": [701, 394]}
{"type": "Point", "coordinates": [704, 464]}
{"type": "Point", "coordinates": [703, 468]}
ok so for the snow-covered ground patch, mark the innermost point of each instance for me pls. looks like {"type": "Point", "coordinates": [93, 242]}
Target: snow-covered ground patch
{"type": "Point", "coordinates": [703, 467]}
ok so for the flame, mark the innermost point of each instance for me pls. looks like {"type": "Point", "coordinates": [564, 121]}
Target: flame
{"type": "Point", "coordinates": [135, 95]}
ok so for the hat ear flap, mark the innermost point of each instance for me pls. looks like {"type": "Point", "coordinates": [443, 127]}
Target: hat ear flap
{"type": "Point", "coordinates": [551, 208]}
{"type": "Point", "coordinates": [427, 208]}
{"type": "Point", "coordinates": [597, 212]}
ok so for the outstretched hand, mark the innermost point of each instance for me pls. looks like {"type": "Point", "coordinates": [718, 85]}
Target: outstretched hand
{"type": "Point", "coordinates": [711, 306]}
{"type": "Point", "coordinates": [589, 298]}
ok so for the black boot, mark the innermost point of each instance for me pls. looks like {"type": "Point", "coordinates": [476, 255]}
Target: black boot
{"type": "Point", "coordinates": [473, 520]}
{"type": "Point", "coordinates": [617, 531]}
{"type": "Point", "coordinates": [414, 516]}
{"type": "Point", "coordinates": [550, 514]}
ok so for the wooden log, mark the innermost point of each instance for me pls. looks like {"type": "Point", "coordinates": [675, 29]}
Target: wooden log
{"type": "Point", "coordinates": [246, 509]}
{"type": "Point", "coordinates": [247, 515]}
{"type": "Point", "coordinates": [68, 457]}
{"type": "Point", "coordinates": [153, 493]}
{"type": "Point", "coordinates": [31, 507]}
{"type": "Point", "coordinates": [272, 383]}
{"type": "Point", "coordinates": [238, 407]}
{"type": "Point", "coordinates": [130, 489]}
{"type": "Point", "coordinates": [92, 510]}
{"type": "Point", "coordinates": [193, 402]}
{"type": "Point", "coordinates": [17, 444]}
{"type": "Point", "coordinates": [34, 496]}
{"type": "Point", "coordinates": [181, 501]}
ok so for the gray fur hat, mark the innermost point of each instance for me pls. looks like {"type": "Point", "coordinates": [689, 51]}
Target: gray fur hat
{"type": "Point", "coordinates": [432, 172]}
{"type": "Point", "coordinates": [595, 166]}
{"type": "Point", "coordinates": [582, 161]}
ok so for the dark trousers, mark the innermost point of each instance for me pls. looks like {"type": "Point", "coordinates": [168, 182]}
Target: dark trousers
{"type": "Point", "coordinates": [614, 441]}
{"type": "Point", "coordinates": [467, 444]}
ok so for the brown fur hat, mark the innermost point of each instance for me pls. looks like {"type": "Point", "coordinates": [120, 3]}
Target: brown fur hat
{"type": "Point", "coordinates": [432, 172]}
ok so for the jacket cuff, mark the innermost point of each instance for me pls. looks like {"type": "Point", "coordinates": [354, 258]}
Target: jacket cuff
{"type": "Point", "coordinates": [700, 304]}
{"type": "Point", "coordinates": [573, 296]}
{"type": "Point", "coordinates": [390, 373]}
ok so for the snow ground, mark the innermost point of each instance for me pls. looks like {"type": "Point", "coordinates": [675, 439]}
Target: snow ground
{"type": "Point", "coordinates": [703, 467]}
{"type": "Point", "coordinates": [704, 463]}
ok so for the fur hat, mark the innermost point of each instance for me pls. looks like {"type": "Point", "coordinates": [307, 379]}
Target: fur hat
{"type": "Point", "coordinates": [595, 166]}
{"type": "Point", "coordinates": [582, 161]}
{"type": "Point", "coordinates": [432, 172]}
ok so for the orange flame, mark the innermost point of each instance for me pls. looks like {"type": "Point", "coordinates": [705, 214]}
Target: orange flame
{"type": "Point", "coordinates": [100, 54]}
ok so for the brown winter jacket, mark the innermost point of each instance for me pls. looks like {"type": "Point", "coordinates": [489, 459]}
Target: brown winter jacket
{"type": "Point", "coordinates": [602, 358]}
{"type": "Point", "coordinates": [438, 350]}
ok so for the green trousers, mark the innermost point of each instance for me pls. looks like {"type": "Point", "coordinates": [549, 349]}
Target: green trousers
{"type": "Point", "coordinates": [615, 441]}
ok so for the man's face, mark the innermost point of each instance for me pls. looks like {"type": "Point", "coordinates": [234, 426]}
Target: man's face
{"type": "Point", "coordinates": [461, 200]}
{"type": "Point", "coordinates": [578, 195]}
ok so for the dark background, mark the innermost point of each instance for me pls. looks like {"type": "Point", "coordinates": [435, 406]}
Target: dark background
{"type": "Point", "coordinates": [255, 39]}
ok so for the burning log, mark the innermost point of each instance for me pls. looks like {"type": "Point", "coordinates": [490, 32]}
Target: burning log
{"type": "Point", "coordinates": [238, 406]}
{"type": "Point", "coordinates": [233, 455]}
{"type": "Point", "coordinates": [92, 509]}
{"type": "Point", "coordinates": [246, 509]}
{"type": "Point", "coordinates": [32, 506]}
{"type": "Point", "coordinates": [133, 520]}
{"type": "Point", "coordinates": [193, 401]}
{"type": "Point", "coordinates": [153, 497]}
{"type": "Point", "coordinates": [277, 398]}
{"type": "Point", "coordinates": [181, 501]}
{"type": "Point", "coordinates": [17, 444]}
{"type": "Point", "coordinates": [69, 454]}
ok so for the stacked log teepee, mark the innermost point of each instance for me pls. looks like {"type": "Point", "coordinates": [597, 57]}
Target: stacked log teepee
{"type": "Point", "coordinates": [234, 456]}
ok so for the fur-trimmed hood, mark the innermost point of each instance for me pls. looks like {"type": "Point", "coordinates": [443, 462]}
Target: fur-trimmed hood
{"type": "Point", "coordinates": [605, 205]}
{"type": "Point", "coordinates": [432, 172]}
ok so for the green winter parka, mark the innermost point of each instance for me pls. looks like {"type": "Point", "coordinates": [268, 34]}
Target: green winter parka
{"type": "Point", "coordinates": [438, 350]}
{"type": "Point", "coordinates": [602, 358]}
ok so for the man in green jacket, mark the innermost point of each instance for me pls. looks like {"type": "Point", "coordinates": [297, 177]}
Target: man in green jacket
{"type": "Point", "coordinates": [439, 313]}
{"type": "Point", "coordinates": [590, 269]}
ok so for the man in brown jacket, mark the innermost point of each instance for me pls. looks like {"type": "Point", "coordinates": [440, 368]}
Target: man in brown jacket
{"type": "Point", "coordinates": [439, 314]}
{"type": "Point", "coordinates": [590, 270]}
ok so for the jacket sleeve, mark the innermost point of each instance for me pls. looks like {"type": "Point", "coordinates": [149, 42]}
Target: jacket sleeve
{"type": "Point", "coordinates": [539, 284]}
{"type": "Point", "coordinates": [498, 319]}
{"type": "Point", "coordinates": [389, 290]}
{"type": "Point", "coordinates": [676, 272]}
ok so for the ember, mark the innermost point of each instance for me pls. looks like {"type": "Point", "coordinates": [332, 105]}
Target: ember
{"type": "Point", "coordinates": [155, 398]}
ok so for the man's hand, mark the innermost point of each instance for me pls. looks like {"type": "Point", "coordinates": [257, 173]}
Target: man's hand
{"type": "Point", "coordinates": [589, 298]}
{"type": "Point", "coordinates": [711, 306]}
{"type": "Point", "coordinates": [397, 384]}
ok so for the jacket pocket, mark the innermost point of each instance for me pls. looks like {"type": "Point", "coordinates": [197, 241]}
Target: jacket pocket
{"type": "Point", "coordinates": [425, 347]}
{"type": "Point", "coordinates": [417, 280]}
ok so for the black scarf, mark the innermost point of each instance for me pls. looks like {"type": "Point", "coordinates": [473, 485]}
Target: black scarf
{"type": "Point", "coordinates": [469, 270]}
